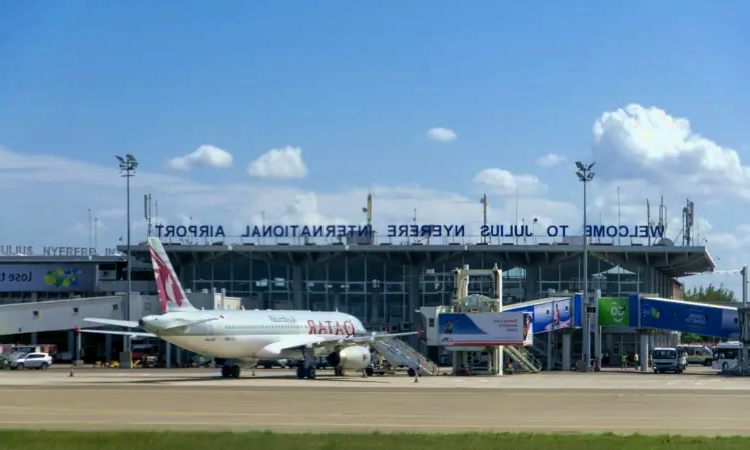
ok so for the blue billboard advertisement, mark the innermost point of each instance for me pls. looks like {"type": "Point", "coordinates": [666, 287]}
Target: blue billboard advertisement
{"type": "Point", "coordinates": [61, 277]}
{"type": "Point", "coordinates": [686, 317]}
{"type": "Point", "coordinates": [485, 329]}
{"type": "Point", "coordinates": [546, 316]}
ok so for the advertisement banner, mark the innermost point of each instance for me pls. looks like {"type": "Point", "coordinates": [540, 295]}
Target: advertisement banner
{"type": "Point", "coordinates": [528, 329]}
{"type": "Point", "coordinates": [553, 315]}
{"type": "Point", "coordinates": [689, 318]}
{"type": "Point", "coordinates": [550, 315]}
{"type": "Point", "coordinates": [614, 311]}
{"type": "Point", "coordinates": [62, 277]}
{"type": "Point", "coordinates": [483, 329]}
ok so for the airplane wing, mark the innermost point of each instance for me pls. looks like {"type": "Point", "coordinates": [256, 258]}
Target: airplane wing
{"type": "Point", "coordinates": [314, 340]}
{"type": "Point", "coordinates": [117, 323]}
{"type": "Point", "coordinates": [120, 333]}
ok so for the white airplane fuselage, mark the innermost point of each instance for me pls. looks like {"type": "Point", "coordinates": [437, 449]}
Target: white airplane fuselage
{"type": "Point", "coordinates": [245, 335]}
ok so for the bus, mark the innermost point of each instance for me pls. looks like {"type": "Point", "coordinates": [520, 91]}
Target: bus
{"type": "Point", "coordinates": [726, 356]}
{"type": "Point", "coordinates": [697, 354]}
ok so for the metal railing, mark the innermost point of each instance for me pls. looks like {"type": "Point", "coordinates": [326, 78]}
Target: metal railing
{"type": "Point", "coordinates": [525, 359]}
{"type": "Point", "coordinates": [399, 353]}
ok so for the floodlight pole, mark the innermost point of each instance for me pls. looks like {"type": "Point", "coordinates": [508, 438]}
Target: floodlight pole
{"type": "Point", "coordinates": [127, 169]}
{"type": "Point", "coordinates": [585, 175]}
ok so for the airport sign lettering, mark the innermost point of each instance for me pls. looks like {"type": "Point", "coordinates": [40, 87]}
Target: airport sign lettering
{"type": "Point", "coordinates": [28, 250]}
{"type": "Point", "coordinates": [409, 231]}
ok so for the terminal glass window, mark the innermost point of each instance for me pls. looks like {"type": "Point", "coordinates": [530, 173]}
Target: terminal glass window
{"type": "Point", "coordinates": [727, 353]}
{"type": "Point", "coordinates": [223, 268]}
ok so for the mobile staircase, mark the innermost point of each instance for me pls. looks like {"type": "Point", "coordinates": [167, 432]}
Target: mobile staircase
{"type": "Point", "coordinates": [526, 361]}
{"type": "Point", "coordinates": [399, 353]}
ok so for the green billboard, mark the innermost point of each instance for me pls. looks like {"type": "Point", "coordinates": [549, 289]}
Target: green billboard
{"type": "Point", "coordinates": [614, 311]}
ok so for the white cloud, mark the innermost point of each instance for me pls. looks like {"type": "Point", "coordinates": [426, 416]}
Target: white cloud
{"type": "Point", "coordinates": [205, 155]}
{"type": "Point", "coordinates": [284, 163]}
{"type": "Point", "coordinates": [549, 160]}
{"type": "Point", "coordinates": [503, 182]}
{"type": "Point", "coordinates": [441, 134]}
{"type": "Point", "coordinates": [648, 144]}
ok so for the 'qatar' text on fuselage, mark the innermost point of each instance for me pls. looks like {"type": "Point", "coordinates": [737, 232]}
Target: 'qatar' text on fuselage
{"type": "Point", "coordinates": [335, 328]}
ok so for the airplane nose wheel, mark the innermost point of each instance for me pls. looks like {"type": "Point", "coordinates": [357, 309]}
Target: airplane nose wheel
{"type": "Point", "coordinates": [230, 371]}
{"type": "Point", "coordinates": [306, 372]}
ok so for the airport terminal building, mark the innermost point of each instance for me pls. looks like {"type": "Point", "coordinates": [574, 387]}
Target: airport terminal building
{"type": "Point", "coordinates": [383, 282]}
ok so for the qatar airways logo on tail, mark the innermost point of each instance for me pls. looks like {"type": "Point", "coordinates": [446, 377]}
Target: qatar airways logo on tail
{"type": "Point", "coordinates": [330, 327]}
{"type": "Point", "coordinates": [169, 291]}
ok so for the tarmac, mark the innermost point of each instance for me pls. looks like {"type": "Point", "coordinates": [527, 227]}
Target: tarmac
{"type": "Point", "coordinates": [696, 403]}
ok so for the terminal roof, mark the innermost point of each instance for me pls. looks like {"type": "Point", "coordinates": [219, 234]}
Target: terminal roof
{"type": "Point", "coordinates": [671, 261]}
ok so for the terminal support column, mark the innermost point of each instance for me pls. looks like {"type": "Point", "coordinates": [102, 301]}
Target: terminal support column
{"type": "Point", "coordinates": [72, 343]}
{"type": "Point", "coordinates": [644, 351]}
{"type": "Point", "coordinates": [566, 349]}
{"type": "Point", "coordinates": [597, 329]}
{"type": "Point", "coordinates": [550, 365]}
{"type": "Point", "coordinates": [108, 347]}
{"type": "Point", "coordinates": [413, 300]}
{"type": "Point", "coordinates": [78, 347]}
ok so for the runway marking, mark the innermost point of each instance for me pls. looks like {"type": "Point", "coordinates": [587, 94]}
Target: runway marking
{"type": "Point", "coordinates": [451, 426]}
{"type": "Point", "coordinates": [125, 412]}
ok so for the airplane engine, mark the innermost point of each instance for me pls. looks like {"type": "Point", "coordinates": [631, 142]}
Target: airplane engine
{"type": "Point", "coordinates": [354, 358]}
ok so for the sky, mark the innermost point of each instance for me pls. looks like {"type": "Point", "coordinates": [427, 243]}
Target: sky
{"type": "Point", "coordinates": [242, 113]}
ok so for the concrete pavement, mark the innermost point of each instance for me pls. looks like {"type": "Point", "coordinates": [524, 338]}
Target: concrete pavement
{"type": "Point", "coordinates": [552, 402]}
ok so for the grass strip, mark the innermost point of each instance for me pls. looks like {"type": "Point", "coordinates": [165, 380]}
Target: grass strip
{"type": "Point", "coordinates": [116, 440]}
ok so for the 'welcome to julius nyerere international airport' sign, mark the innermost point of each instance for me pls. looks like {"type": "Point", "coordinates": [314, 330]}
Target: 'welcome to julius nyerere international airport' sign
{"type": "Point", "coordinates": [404, 230]}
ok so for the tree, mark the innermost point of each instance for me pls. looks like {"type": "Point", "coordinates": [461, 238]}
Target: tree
{"type": "Point", "coordinates": [710, 294]}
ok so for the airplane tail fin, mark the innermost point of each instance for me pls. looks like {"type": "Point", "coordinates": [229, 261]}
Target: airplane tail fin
{"type": "Point", "coordinates": [171, 295]}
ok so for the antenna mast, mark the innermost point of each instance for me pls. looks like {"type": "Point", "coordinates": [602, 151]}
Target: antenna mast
{"type": "Point", "coordinates": [648, 218]}
{"type": "Point", "coordinates": [688, 219]}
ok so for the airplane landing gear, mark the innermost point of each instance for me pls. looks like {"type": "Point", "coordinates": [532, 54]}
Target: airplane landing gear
{"type": "Point", "coordinates": [307, 369]}
{"type": "Point", "coordinates": [232, 371]}
{"type": "Point", "coordinates": [338, 371]}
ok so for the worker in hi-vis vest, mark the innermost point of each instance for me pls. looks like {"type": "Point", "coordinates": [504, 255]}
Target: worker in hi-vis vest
{"type": "Point", "coordinates": [624, 362]}
{"type": "Point", "coordinates": [636, 365]}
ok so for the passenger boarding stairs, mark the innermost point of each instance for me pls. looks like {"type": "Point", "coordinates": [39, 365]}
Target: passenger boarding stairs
{"type": "Point", "coordinates": [399, 353]}
{"type": "Point", "coordinates": [539, 350]}
{"type": "Point", "coordinates": [526, 361]}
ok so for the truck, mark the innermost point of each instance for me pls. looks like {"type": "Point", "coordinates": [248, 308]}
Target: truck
{"type": "Point", "coordinates": [666, 359]}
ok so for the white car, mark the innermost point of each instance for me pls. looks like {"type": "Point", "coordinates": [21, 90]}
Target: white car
{"type": "Point", "coordinates": [39, 361]}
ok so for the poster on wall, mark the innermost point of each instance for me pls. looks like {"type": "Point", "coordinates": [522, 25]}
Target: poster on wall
{"type": "Point", "coordinates": [481, 330]}
{"type": "Point", "coordinates": [614, 311]}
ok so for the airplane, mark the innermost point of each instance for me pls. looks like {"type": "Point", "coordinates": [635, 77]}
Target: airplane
{"type": "Point", "coordinates": [243, 337]}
